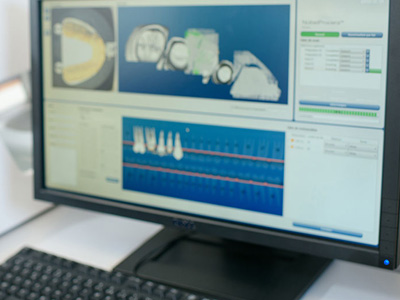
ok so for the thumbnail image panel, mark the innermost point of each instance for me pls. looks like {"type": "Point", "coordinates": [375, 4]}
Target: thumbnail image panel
{"type": "Point", "coordinates": [224, 166]}
{"type": "Point", "coordinates": [83, 44]}
{"type": "Point", "coordinates": [219, 52]}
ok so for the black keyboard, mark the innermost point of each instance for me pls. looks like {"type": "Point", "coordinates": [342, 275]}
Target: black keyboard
{"type": "Point", "coordinates": [35, 275]}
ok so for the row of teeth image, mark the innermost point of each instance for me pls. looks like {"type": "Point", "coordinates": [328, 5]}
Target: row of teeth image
{"type": "Point", "coordinates": [146, 140]}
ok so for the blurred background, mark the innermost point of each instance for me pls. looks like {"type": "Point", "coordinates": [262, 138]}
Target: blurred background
{"type": "Point", "coordinates": [16, 173]}
{"type": "Point", "coordinates": [14, 38]}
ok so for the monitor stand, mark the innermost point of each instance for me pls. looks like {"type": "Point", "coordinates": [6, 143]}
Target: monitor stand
{"type": "Point", "coordinates": [222, 268]}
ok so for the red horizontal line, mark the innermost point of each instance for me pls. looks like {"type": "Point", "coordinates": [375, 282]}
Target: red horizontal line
{"type": "Point", "coordinates": [223, 154]}
{"type": "Point", "coordinates": [233, 155]}
{"type": "Point", "coordinates": [216, 177]}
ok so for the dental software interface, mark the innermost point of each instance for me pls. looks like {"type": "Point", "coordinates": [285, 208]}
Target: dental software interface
{"type": "Point", "coordinates": [264, 112]}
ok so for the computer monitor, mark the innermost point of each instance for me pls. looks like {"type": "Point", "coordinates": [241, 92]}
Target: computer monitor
{"type": "Point", "coordinates": [266, 122]}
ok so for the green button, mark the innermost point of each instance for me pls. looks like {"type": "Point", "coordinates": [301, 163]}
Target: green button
{"type": "Point", "coordinates": [375, 71]}
{"type": "Point", "coordinates": [320, 34]}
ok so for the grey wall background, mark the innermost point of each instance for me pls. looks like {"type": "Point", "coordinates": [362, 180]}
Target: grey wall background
{"type": "Point", "coordinates": [14, 37]}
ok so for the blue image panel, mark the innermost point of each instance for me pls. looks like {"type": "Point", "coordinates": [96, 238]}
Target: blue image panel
{"type": "Point", "coordinates": [260, 33]}
{"type": "Point", "coordinates": [232, 167]}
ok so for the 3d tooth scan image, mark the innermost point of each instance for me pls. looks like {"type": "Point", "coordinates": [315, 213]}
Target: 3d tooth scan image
{"type": "Point", "coordinates": [147, 43]}
{"type": "Point", "coordinates": [212, 52]}
{"type": "Point", "coordinates": [198, 54]}
{"type": "Point", "coordinates": [84, 48]}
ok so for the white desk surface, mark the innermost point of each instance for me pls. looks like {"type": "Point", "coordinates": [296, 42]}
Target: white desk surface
{"type": "Point", "coordinates": [102, 241]}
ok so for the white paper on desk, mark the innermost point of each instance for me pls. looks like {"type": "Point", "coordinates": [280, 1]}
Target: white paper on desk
{"type": "Point", "coordinates": [12, 93]}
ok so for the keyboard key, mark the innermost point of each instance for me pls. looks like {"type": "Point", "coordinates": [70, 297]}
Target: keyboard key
{"type": "Point", "coordinates": [36, 287]}
{"type": "Point", "coordinates": [122, 294]}
{"type": "Point", "coordinates": [160, 291]}
{"type": "Point", "coordinates": [22, 293]}
{"type": "Point", "coordinates": [118, 278]}
{"type": "Point", "coordinates": [75, 289]}
{"type": "Point", "coordinates": [8, 277]}
{"type": "Point", "coordinates": [32, 296]}
{"type": "Point", "coordinates": [97, 296]}
{"type": "Point", "coordinates": [173, 294]}
{"type": "Point", "coordinates": [148, 287]}
{"type": "Point", "coordinates": [100, 287]}
{"type": "Point", "coordinates": [12, 290]}
{"type": "Point", "coordinates": [57, 294]}
{"type": "Point", "coordinates": [134, 282]}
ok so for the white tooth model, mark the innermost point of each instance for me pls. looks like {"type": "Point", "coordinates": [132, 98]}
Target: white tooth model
{"type": "Point", "coordinates": [136, 140]}
{"type": "Point", "coordinates": [161, 144]}
{"type": "Point", "coordinates": [151, 139]}
{"type": "Point", "coordinates": [170, 146]}
{"type": "Point", "coordinates": [138, 136]}
{"type": "Point", "coordinates": [178, 152]}
{"type": "Point", "coordinates": [142, 145]}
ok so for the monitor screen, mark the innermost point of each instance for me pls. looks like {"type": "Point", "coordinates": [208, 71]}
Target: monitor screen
{"type": "Point", "coordinates": [267, 114]}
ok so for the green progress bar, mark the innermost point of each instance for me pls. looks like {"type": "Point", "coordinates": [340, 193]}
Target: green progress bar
{"type": "Point", "coordinates": [339, 112]}
{"type": "Point", "coordinates": [320, 34]}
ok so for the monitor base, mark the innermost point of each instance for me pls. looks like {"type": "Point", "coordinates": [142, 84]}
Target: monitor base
{"type": "Point", "coordinates": [225, 269]}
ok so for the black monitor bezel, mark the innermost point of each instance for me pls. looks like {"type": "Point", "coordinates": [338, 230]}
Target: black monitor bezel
{"type": "Point", "coordinates": [389, 234]}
